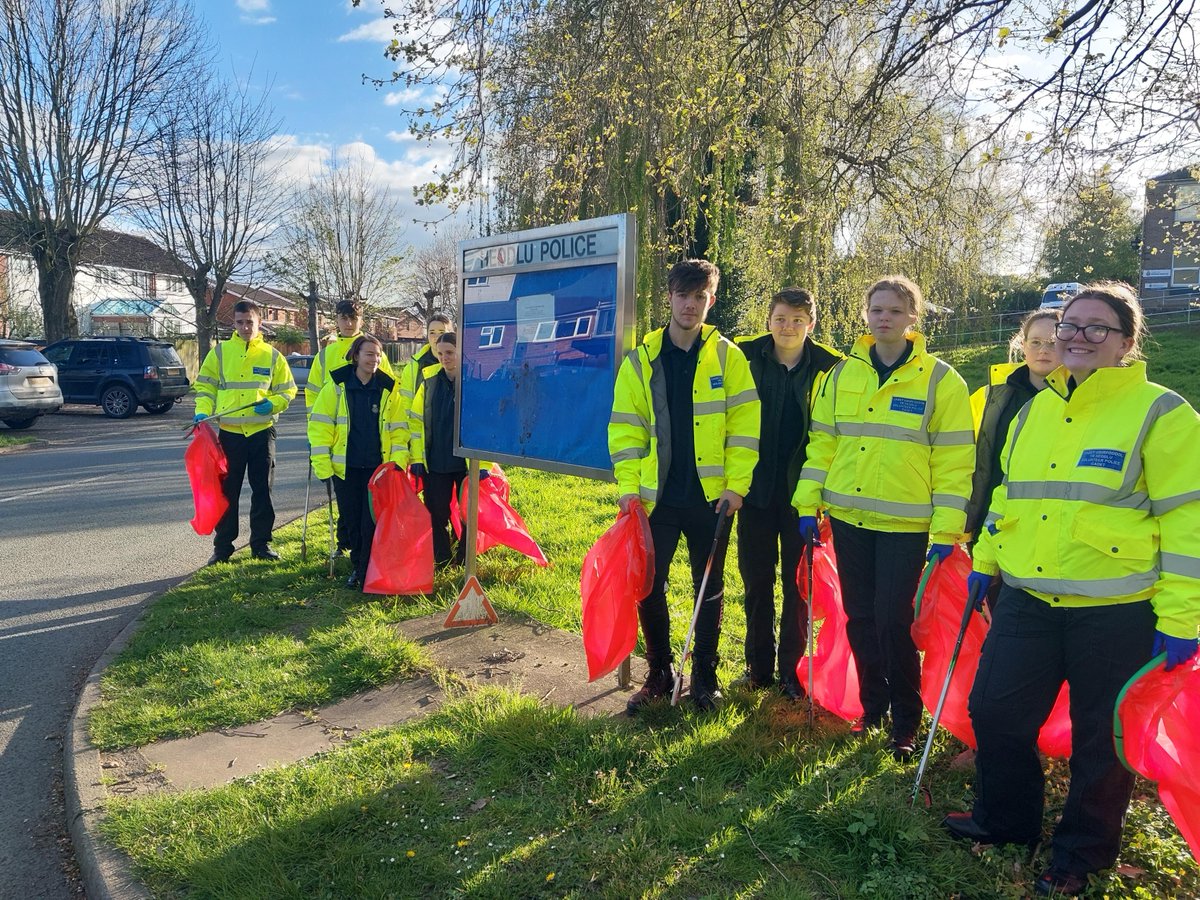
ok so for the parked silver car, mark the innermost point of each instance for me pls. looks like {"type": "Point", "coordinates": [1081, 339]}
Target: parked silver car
{"type": "Point", "coordinates": [28, 384]}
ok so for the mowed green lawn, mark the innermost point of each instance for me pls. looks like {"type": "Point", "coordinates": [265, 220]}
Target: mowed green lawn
{"type": "Point", "coordinates": [498, 795]}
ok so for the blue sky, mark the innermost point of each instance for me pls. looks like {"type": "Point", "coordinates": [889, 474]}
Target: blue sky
{"type": "Point", "coordinates": [316, 52]}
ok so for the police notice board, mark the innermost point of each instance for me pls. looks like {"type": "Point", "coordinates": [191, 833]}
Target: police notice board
{"type": "Point", "coordinates": [545, 318]}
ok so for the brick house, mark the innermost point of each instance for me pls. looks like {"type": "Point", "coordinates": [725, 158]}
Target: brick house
{"type": "Point", "coordinates": [1170, 259]}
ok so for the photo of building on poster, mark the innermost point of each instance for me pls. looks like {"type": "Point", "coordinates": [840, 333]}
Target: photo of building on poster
{"type": "Point", "coordinates": [546, 318]}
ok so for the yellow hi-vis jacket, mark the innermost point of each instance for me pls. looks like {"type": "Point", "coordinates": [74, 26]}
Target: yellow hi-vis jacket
{"type": "Point", "coordinates": [1100, 501]}
{"type": "Point", "coordinates": [892, 457]}
{"type": "Point", "coordinates": [412, 375]}
{"type": "Point", "coordinates": [329, 428]}
{"type": "Point", "coordinates": [997, 375]}
{"type": "Point", "coordinates": [328, 360]}
{"type": "Point", "coordinates": [725, 419]}
{"type": "Point", "coordinates": [418, 426]}
{"type": "Point", "coordinates": [236, 373]}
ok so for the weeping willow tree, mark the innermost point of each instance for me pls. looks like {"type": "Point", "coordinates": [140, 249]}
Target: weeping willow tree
{"type": "Point", "coordinates": [805, 141]}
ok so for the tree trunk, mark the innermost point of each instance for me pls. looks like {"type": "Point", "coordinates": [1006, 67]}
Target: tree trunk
{"type": "Point", "coordinates": [56, 279]}
{"type": "Point", "coordinates": [314, 345]}
{"type": "Point", "coordinates": [206, 327]}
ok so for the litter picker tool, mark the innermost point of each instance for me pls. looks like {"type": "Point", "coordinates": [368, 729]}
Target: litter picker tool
{"type": "Point", "coordinates": [332, 545]}
{"type": "Point", "coordinates": [972, 599]}
{"type": "Point", "coordinates": [187, 429]}
{"type": "Point", "coordinates": [810, 542]}
{"type": "Point", "coordinates": [304, 527]}
{"type": "Point", "coordinates": [687, 644]}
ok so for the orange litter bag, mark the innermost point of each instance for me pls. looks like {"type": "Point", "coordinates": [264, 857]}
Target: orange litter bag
{"type": "Point", "coordinates": [618, 572]}
{"type": "Point", "coordinates": [206, 468]}
{"type": "Point", "coordinates": [835, 676]}
{"type": "Point", "coordinates": [1154, 725]}
{"type": "Point", "coordinates": [402, 550]}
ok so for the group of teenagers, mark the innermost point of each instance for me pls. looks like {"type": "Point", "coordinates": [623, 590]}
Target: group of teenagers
{"type": "Point", "coordinates": [1070, 477]}
{"type": "Point", "coordinates": [361, 413]}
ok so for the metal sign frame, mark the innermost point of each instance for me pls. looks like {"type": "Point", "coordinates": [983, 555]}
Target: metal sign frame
{"type": "Point", "coordinates": [542, 250]}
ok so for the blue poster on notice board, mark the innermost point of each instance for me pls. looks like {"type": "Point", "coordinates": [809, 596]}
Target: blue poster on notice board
{"type": "Point", "coordinates": [546, 317]}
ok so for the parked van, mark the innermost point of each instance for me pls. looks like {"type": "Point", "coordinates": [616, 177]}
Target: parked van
{"type": "Point", "coordinates": [1056, 295]}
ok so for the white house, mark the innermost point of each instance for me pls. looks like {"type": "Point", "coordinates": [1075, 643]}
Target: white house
{"type": "Point", "coordinates": [125, 284]}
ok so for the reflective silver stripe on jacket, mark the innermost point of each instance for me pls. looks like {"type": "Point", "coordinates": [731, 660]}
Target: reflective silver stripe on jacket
{"type": "Point", "coordinates": [1087, 587]}
{"type": "Point", "coordinates": [881, 430]}
{"type": "Point", "coordinates": [872, 504]}
{"type": "Point", "coordinates": [1178, 564]}
{"type": "Point", "coordinates": [1164, 505]}
{"type": "Point", "coordinates": [1087, 493]}
{"type": "Point", "coordinates": [950, 501]}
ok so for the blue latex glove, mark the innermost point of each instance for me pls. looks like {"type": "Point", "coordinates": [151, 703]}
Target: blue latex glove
{"type": "Point", "coordinates": [418, 469]}
{"type": "Point", "coordinates": [940, 551]}
{"type": "Point", "coordinates": [198, 418]}
{"type": "Point", "coordinates": [484, 474]}
{"type": "Point", "coordinates": [1179, 650]}
{"type": "Point", "coordinates": [809, 530]}
{"type": "Point", "coordinates": [264, 408]}
{"type": "Point", "coordinates": [984, 581]}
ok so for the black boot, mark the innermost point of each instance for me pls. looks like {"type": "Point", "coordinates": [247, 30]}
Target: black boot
{"type": "Point", "coordinates": [660, 681]}
{"type": "Point", "coordinates": [705, 692]}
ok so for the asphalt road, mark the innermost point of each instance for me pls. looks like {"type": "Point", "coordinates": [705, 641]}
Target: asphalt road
{"type": "Point", "coordinates": [91, 526]}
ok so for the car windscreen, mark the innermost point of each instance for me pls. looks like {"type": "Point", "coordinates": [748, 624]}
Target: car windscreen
{"type": "Point", "coordinates": [22, 356]}
{"type": "Point", "coordinates": [300, 362]}
{"type": "Point", "coordinates": [164, 355]}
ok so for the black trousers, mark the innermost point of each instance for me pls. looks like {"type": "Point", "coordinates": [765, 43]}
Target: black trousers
{"type": "Point", "coordinates": [354, 512]}
{"type": "Point", "coordinates": [697, 525]}
{"type": "Point", "coordinates": [439, 488]}
{"type": "Point", "coordinates": [1031, 648]}
{"type": "Point", "coordinates": [764, 535]}
{"type": "Point", "coordinates": [252, 457]}
{"type": "Point", "coordinates": [879, 572]}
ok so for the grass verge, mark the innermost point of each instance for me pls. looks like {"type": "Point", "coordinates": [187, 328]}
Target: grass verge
{"type": "Point", "coordinates": [12, 440]}
{"type": "Point", "coordinates": [495, 795]}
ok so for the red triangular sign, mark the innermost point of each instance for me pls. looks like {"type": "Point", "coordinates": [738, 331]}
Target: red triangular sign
{"type": "Point", "coordinates": [471, 607]}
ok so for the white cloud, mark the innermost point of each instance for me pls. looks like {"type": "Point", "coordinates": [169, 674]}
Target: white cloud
{"type": "Point", "coordinates": [380, 31]}
{"type": "Point", "coordinates": [258, 20]}
{"type": "Point", "coordinates": [253, 6]}
{"type": "Point", "coordinates": [396, 98]}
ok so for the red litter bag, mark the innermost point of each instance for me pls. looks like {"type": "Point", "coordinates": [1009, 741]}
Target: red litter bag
{"type": "Point", "coordinates": [402, 550]}
{"type": "Point", "coordinates": [206, 468]}
{"type": "Point", "coordinates": [1055, 737]}
{"type": "Point", "coordinates": [935, 630]}
{"type": "Point", "coordinates": [1154, 724]}
{"type": "Point", "coordinates": [835, 677]}
{"type": "Point", "coordinates": [618, 572]}
{"type": "Point", "coordinates": [499, 523]}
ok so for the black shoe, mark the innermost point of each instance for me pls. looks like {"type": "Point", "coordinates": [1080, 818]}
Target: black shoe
{"type": "Point", "coordinates": [1053, 883]}
{"type": "Point", "coordinates": [218, 556]}
{"type": "Point", "coordinates": [340, 553]}
{"type": "Point", "coordinates": [792, 689]}
{"type": "Point", "coordinates": [658, 683]}
{"type": "Point", "coordinates": [962, 825]}
{"type": "Point", "coordinates": [706, 694]}
{"type": "Point", "coordinates": [264, 553]}
{"type": "Point", "coordinates": [353, 581]}
{"type": "Point", "coordinates": [903, 743]}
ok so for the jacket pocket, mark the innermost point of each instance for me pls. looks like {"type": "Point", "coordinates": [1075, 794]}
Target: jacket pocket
{"type": "Point", "coordinates": [1095, 528]}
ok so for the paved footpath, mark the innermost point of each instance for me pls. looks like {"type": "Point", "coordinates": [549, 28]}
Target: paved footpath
{"type": "Point", "coordinates": [523, 655]}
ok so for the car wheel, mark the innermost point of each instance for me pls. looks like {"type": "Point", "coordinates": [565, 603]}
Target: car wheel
{"type": "Point", "coordinates": [18, 424]}
{"type": "Point", "coordinates": [117, 402]}
{"type": "Point", "coordinates": [157, 409]}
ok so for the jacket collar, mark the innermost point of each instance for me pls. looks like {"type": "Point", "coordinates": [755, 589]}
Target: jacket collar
{"type": "Point", "coordinates": [346, 372]}
{"type": "Point", "coordinates": [862, 347]}
{"type": "Point", "coordinates": [1103, 382]}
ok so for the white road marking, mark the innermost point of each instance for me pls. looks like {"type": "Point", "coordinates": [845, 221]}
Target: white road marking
{"type": "Point", "coordinates": [57, 487]}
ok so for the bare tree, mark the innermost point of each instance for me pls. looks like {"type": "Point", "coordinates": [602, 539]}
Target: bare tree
{"type": "Point", "coordinates": [217, 197]}
{"type": "Point", "coordinates": [343, 231]}
{"type": "Point", "coordinates": [431, 281]}
{"type": "Point", "coordinates": [82, 83]}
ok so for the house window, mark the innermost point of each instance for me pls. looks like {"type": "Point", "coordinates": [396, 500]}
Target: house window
{"type": "Point", "coordinates": [1185, 268]}
{"type": "Point", "coordinates": [141, 281]}
{"type": "Point", "coordinates": [544, 332]}
{"type": "Point", "coordinates": [1187, 203]}
{"type": "Point", "coordinates": [573, 328]}
{"type": "Point", "coordinates": [491, 336]}
{"type": "Point", "coordinates": [477, 281]}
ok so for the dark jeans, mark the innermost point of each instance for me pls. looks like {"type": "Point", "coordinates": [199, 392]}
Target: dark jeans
{"type": "Point", "coordinates": [763, 536]}
{"type": "Point", "coordinates": [1031, 648]}
{"type": "Point", "coordinates": [354, 511]}
{"type": "Point", "coordinates": [252, 457]}
{"type": "Point", "coordinates": [697, 524]}
{"type": "Point", "coordinates": [439, 488]}
{"type": "Point", "coordinates": [879, 571]}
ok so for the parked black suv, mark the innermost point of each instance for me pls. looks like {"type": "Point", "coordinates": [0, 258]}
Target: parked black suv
{"type": "Point", "coordinates": [119, 373]}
